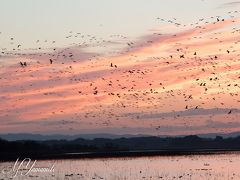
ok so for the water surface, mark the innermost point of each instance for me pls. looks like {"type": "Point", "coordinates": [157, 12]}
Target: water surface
{"type": "Point", "coordinates": [219, 167]}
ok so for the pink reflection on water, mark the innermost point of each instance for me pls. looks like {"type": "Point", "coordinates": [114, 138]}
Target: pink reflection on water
{"type": "Point", "coordinates": [221, 167]}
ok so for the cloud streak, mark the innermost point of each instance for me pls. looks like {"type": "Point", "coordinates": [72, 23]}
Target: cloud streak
{"type": "Point", "coordinates": [230, 4]}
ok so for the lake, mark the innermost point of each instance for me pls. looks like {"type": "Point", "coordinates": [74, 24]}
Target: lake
{"type": "Point", "coordinates": [218, 166]}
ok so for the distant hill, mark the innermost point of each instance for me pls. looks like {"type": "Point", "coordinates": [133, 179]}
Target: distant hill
{"type": "Point", "coordinates": [105, 147]}
{"type": "Point", "coordinates": [40, 137]}
{"type": "Point", "coordinates": [224, 135]}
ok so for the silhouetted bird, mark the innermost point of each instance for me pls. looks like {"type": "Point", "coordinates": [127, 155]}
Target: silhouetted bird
{"type": "Point", "coordinates": [21, 64]}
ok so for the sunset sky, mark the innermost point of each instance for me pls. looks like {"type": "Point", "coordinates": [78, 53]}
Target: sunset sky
{"type": "Point", "coordinates": [122, 67]}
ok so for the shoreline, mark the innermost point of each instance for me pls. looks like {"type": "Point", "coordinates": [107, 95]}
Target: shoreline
{"type": "Point", "coordinates": [117, 154]}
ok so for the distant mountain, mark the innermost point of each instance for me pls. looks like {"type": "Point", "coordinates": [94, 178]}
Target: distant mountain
{"type": "Point", "coordinates": [105, 147]}
{"type": "Point", "coordinates": [213, 135]}
{"type": "Point", "coordinates": [40, 137]}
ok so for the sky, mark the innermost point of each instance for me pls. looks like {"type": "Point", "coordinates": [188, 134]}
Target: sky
{"type": "Point", "coordinates": [120, 67]}
{"type": "Point", "coordinates": [28, 20]}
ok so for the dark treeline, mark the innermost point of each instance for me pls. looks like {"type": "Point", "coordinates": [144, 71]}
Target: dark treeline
{"type": "Point", "coordinates": [107, 147]}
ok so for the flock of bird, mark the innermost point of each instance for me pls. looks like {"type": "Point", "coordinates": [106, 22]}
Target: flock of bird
{"type": "Point", "coordinates": [194, 69]}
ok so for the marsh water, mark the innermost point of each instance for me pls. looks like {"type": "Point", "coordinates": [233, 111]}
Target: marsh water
{"type": "Point", "coordinates": [218, 166]}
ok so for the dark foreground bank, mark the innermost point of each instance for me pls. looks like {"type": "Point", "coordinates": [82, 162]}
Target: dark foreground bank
{"type": "Point", "coordinates": [121, 147]}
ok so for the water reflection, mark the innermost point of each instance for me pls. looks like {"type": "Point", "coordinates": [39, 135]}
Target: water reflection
{"type": "Point", "coordinates": [221, 167]}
